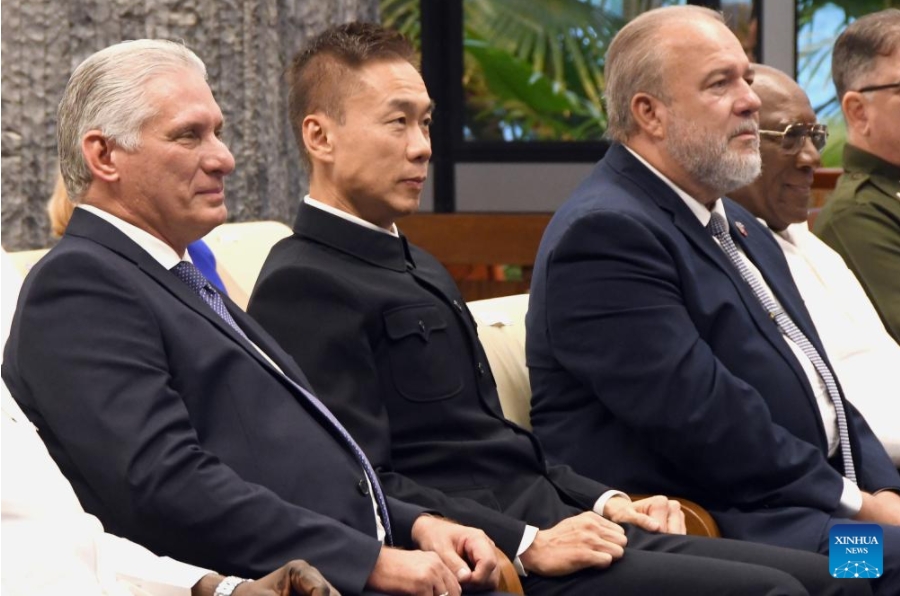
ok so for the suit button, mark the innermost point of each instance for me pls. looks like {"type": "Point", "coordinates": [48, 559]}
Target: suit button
{"type": "Point", "coordinates": [481, 369]}
{"type": "Point", "coordinates": [422, 326]}
{"type": "Point", "coordinates": [363, 487]}
{"type": "Point", "coordinates": [457, 305]}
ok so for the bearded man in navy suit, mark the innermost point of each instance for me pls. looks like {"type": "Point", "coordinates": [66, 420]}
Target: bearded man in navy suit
{"type": "Point", "coordinates": [664, 358]}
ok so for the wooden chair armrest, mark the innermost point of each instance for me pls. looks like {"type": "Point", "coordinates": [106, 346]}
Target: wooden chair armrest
{"type": "Point", "coordinates": [509, 577]}
{"type": "Point", "coordinates": [697, 520]}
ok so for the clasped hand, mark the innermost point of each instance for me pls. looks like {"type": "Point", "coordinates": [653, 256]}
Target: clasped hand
{"type": "Point", "coordinates": [588, 540]}
{"type": "Point", "coordinates": [453, 557]}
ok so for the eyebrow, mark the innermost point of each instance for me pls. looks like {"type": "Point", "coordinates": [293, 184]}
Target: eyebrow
{"type": "Point", "coordinates": [407, 105]}
{"type": "Point", "coordinates": [193, 119]}
{"type": "Point", "coordinates": [728, 71]}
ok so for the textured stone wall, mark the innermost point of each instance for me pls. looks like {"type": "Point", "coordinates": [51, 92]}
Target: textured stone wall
{"type": "Point", "coordinates": [245, 45]}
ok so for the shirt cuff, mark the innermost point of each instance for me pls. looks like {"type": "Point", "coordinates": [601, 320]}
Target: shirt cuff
{"type": "Point", "coordinates": [600, 504]}
{"type": "Point", "coordinates": [851, 500]}
{"type": "Point", "coordinates": [527, 539]}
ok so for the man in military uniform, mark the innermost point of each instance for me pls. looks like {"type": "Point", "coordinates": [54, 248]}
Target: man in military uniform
{"type": "Point", "coordinates": [862, 220]}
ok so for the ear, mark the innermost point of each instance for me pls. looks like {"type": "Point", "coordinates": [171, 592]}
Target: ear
{"type": "Point", "coordinates": [649, 114]}
{"type": "Point", "coordinates": [318, 136]}
{"type": "Point", "coordinates": [856, 113]}
{"type": "Point", "coordinates": [98, 154]}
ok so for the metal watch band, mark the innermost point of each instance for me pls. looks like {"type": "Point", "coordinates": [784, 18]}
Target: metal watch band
{"type": "Point", "coordinates": [227, 585]}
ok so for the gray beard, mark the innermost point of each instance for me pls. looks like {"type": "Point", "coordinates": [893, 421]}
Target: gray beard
{"type": "Point", "coordinates": [707, 158]}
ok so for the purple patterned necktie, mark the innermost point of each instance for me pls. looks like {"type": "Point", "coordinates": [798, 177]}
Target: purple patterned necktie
{"type": "Point", "coordinates": [719, 228]}
{"type": "Point", "coordinates": [190, 275]}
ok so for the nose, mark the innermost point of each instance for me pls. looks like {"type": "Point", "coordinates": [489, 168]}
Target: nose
{"type": "Point", "coordinates": [748, 103]}
{"type": "Point", "coordinates": [809, 156]}
{"type": "Point", "coordinates": [219, 159]}
{"type": "Point", "coordinates": [419, 147]}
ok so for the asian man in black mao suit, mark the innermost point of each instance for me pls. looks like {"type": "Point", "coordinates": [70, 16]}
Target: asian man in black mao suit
{"type": "Point", "coordinates": [390, 346]}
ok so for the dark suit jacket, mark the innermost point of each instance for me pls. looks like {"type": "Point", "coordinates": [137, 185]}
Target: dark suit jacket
{"type": "Point", "coordinates": [654, 367]}
{"type": "Point", "coordinates": [173, 430]}
{"type": "Point", "coordinates": [390, 347]}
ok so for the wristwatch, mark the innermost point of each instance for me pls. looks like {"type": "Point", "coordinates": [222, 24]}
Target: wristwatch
{"type": "Point", "coordinates": [227, 585]}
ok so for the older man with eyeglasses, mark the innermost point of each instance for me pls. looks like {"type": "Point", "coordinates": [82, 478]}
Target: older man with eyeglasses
{"type": "Point", "coordinates": [862, 219]}
{"type": "Point", "coordinates": [859, 348]}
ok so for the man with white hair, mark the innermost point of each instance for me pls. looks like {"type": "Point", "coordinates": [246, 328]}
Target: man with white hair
{"type": "Point", "coordinates": [51, 546]}
{"type": "Point", "coordinates": [177, 420]}
{"type": "Point", "coordinates": [668, 347]}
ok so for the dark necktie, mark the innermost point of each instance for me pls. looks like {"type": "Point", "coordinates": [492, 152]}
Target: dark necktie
{"type": "Point", "coordinates": [719, 228]}
{"type": "Point", "coordinates": [195, 280]}
{"type": "Point", "coordinates": [189, 274]}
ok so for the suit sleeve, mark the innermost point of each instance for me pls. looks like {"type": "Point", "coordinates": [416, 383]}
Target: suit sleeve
{"type": "Point", "coordinates": [580, 489]}
{"type": "Point", "coordinates": [321, 321]}
{"type": "Point", "coordinates": [91, 358]}
{"type": "Point", "coordinates": [618, 321]}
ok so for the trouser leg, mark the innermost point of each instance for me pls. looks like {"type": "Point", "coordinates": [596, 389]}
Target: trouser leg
{"type": "Point", "coordinates": [672, 565]}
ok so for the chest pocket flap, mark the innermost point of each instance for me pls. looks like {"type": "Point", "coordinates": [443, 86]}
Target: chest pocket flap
{"type": "Point", "coordinates": [422, 364]}
{"type": "Point", "coordinates": [421, 321]}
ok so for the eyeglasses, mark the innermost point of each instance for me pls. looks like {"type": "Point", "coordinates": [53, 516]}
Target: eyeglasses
{"type": "Point", "coordinates": [879, 87]}
{"type": "Point", "coordinates": [794, 136]}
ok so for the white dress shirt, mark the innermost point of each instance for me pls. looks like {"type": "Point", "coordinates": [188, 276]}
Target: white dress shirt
{"type": "Point", "coordinates": [851, 497]}
{"type": "Point", "coordinates": [864, 356]}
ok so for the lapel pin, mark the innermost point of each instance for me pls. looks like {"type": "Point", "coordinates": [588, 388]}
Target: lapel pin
{"type": "Point", "coordinates": [740, 228]}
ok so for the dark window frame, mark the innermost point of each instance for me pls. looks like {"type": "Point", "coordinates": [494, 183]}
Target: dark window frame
{"type": "Point", "coordinates": [442, 69]}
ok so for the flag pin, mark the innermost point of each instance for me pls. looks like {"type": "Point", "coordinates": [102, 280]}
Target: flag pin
{"type": "Point", "coordinates": [740, 227]}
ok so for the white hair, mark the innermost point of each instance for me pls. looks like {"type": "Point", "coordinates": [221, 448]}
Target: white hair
{"type": "Point", "coordinates": [107, 92]}
{"type": "Point", "coordinates": [636, 61]}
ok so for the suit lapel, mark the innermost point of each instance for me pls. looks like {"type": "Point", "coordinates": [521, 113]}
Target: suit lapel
{"type": "Point", "coordinates": [659, 193]}
{"type": "Point", "coordinates": [770, 264]}
{"type": "Point", "coordinates": [87, 225]}
{"type": "Point", "coordinates": [687, 223]}
{"type": "Point", "coordinates": [268, 345]}
{"type": "Point", "coordinates": [703, 241]}
{"type": "Point", "coordinates": [776, 272]}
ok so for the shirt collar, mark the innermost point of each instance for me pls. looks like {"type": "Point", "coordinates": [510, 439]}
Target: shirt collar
{"type": "Point", "coordinates": [349, 216]}
{"type": "Point", "coordinates": [161, 252]}
{"type": "Point", "coordinates": [701, 211]}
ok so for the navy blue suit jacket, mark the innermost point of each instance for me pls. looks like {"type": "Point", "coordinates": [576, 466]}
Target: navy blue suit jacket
{"type": "Point", "coordinates": [654, 367]}
{"type": "Point", "coordinates": [173, 429]}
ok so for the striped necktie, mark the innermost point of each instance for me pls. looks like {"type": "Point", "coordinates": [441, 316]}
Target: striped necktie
{"type": "Point", "coordinates": [719, 228]}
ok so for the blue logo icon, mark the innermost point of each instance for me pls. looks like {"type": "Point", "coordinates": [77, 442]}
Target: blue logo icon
{"type": "Point", "coordinates": [856, 551]}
